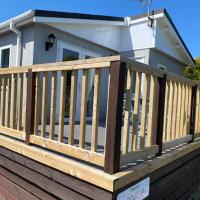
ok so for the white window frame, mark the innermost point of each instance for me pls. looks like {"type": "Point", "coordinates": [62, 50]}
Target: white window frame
{"type": "Point", "coordinates": [3, 48]}
{"type": "Point", "coordinates": [82, 53]}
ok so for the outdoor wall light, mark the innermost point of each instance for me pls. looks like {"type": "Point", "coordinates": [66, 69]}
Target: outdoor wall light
{"type": "Point", "coordinates": [50, 41]}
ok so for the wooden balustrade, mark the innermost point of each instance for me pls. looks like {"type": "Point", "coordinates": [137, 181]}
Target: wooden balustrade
{"type": "Point", "coordinates": [148, 109]}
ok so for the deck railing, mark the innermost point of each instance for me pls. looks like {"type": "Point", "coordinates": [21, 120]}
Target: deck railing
{"type": "Point", "coordinates": [147, 110]}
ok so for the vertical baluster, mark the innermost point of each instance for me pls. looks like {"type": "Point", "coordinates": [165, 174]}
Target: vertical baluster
{"type": "Point", "coordinates": [73, 96]}
{"type": "Point", "coordinates": [182, 110]}
{"type": "Point", "coordinates": [83, 113]}
{"type": "Point", "coordinates": [198, 114]}
{"type": "Point", "coordinates": [178, 111]}
{"type": "Point", "coordinates": [174, 112]}
{"type": "Point", "coordinates": [166, 112]}
{"type": "Point", "coordinates": [136, 111]}
{"type": "Point", "coordinates": [169, 113]}
{"type": "Point", "coordinates": [96, 102]}
{"type": "Point", "coordinates": [144, 111]}
{"type": "Point", "coordinates": [151, 114]}
{"type": "Point", "coordinates": [36, 106]}
{"type": "Point", "coordinates": [13, 102]}
{"type": "Point", "coordinates": [127, 112]}
{"type": "Point", "coordinates": [24, 101]}
{"type": "Point", "coordinates": [197, 110]}
{"type": "Point", "coordinates": [44, 103]}
{"type": "Point", "coordinates": [7, 106]}
{"type": "Point", "coordinates": [2, 101]}
{"type": "Point", "coordinates": [53, 104]}
{"type": "Point", "coordinates": [185, 115]}
{"type": "Point", "coordinates": [189, 108]}
{"type": "Point", "coordinates": [19, 100]}
{"type": "Point", "coordinates": [62, 106]}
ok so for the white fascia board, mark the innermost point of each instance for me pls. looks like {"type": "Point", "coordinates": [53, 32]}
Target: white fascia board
{"type": "Point", "coordinates": [76, 21]}
{"type": "Point", "coordinates": [17, 19]}
{"type": "Point", "coordinates": [136, 21]}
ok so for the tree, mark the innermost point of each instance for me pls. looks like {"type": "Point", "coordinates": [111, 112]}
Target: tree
{"type": "Point", "coordinates": [193, 72]}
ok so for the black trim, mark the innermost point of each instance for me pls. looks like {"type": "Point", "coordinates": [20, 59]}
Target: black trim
{"type": "Point", "coordinates": [45, 13]}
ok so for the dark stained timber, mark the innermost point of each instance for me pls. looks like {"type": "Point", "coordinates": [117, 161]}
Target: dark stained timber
{"type": "Point", "coordinates": [193, 113]}
{"type": "Point", "coordinates": [161, 109]}
{"type": "Point", "coordinates": [30, 104]}
{"type": "Point", "coordinates": [114, 118]}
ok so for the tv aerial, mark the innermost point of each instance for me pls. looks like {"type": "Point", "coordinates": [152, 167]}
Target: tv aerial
{"type": "Point", "coordinates": [146, 4]}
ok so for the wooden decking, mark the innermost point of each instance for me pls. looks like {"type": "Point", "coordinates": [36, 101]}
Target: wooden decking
{"type": "Point", "coordinates": [152, 120]}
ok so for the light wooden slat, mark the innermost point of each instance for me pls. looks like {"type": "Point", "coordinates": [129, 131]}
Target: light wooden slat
{"type": "Point", "coordinates": [185, 116]}
{"type": "Point", "coordinates": [176, 142]}
{"type": "Point", "coordinates": [144, 110]}
{"type": "Point", "coordinates": [24, 100]}
{"type": "Point", "coordinates": [136, 111]}
{"type": "Point", "coordinates": [62, 106]}
{"type": "Point", "coordinates": [134, 156]}
{"type": "Point", "coordinates": [169, 113]}
{"type": "Point", "coordinates": [178, 111]}
{"type": "Point", "coordinates": [189, 110]}
{"type": "Point", "coordinates": [182, 110]}
{"type": "Point", "coordinates": [174, 110]}
{"type": "Point", "coordinates": [73, 97]}
{"type": "Point", "coordinates": [198, 124]}
{"type": "Point", "coordinates": [82, 154]}
{"type": "Point", "coordinates": [68, 67]}
{"type": "Point", "coordinates": [19, 101]}
{"type": "Point", "coordinates": [127, 112]}
{"type": "Point", "coordinates": [44, 104]}
{"type": "Point", "coordinates": [13, 101]}
{"type": "Point", "coordinates": [0, 93]}
{"type": "Point", "coordinates": [12, 132]}
{"type": "Point", "coordinates": [2, 101]}
{"type": "Point", "coordinates": [142, 170]}
{"type": "Point", "coordinates": [96, 102]}
{"type": "Point", "coordinates": [53, 105]}
{"type": "Point", "coordinates": [166, 112]}
{"type": "Point", "coordinates": [13, 70]}
{"type": "Point", "coordinates": [151, 114]}
{"type": "Point", "coordinates": [83, 109]}
{"type": "Point", "coordinates": [87, 173]}
{"type": "Point", "coordinates": [37, 102]}
{"type": "Point", "coordinates": [196, 110]}
{"type": "Point", "coordinates": [7, 101]}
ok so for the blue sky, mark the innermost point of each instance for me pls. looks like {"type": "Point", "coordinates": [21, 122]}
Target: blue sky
{"type": "Point", "coordinates": [185, 14]}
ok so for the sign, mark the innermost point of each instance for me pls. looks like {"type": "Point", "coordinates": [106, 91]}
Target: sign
{"type": "Point", "coordinates": [137, 192]}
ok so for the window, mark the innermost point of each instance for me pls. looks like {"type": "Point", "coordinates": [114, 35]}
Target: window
{"type": "Point", "coordinates": [5, 57]}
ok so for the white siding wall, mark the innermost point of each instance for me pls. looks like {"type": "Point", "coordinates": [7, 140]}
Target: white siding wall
{"type": "Point", "coordinates": [108, 36]}
{"type": "Point", "coordinates": [119, 38]}
{"type": "Point", "coordinates": [138, 36]}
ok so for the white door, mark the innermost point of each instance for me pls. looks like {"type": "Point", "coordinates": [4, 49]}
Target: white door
{"type": "Point", "coordinates": [68, 52]}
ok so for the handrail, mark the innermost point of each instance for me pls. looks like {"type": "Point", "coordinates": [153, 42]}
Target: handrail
{"type": "Point", "coordinates": [135, 93]}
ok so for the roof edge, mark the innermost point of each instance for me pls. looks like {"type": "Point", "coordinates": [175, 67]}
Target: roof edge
{"type": "Point", "coordinates": [178, 34]}
{"type": "Point", "coordinates": [57, 14]}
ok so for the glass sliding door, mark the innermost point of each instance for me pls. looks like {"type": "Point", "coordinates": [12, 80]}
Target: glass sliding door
{"type": "Point", "coordinates": [68, 55]}
{"type": "Point", "coordinates": [67, 52]}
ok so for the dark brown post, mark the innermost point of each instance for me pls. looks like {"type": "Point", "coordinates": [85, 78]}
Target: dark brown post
{"type": "Point", "coordinates": [30, 103]}
{"type": "Point", "coordinates": [114, 116]}
{"type": "Point", "coordinates": [193, 112]}
{"type": "Point", "coordinates": [161, 109]}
